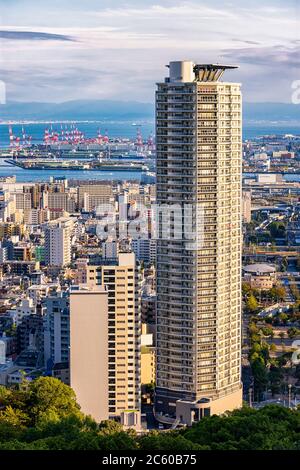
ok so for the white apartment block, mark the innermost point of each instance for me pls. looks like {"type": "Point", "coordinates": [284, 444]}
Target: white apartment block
{"type": "Point", "coordinates": [58, 242]}
{"type": "Point", "coordinates": [110, 249]}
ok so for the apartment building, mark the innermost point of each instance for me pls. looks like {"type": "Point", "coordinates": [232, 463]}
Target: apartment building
{"type": "Point", "coordinates": [63, 201]}
{"type": "Point", "coordinates": [144, 249]}
{"type": "Point", "coordinates": [121, 278]}
{"type": "Point", "coordinates": [58, 242]}
{"type": "Point", "coordinates": [57, 329]}
{"type": "Point", "coordinates": [90, 196]}
{"type": "Point", "coordinates": [89, 349]}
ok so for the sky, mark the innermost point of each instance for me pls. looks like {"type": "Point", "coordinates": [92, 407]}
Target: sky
{"type": "Point", "coordinates": [63, 50]}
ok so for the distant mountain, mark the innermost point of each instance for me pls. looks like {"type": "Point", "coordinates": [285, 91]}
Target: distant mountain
{"type": "Point", "coordinates": [131, 111]}
{"type": "Point", "coordinates": [271, 112]}
{"type": "Point", "coordinates": [77, 110]}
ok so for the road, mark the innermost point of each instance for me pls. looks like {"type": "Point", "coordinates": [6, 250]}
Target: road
{"type": "Point", "coordinates": [152, 423]}
{"type": "Point", "coordinates": [289, 296]}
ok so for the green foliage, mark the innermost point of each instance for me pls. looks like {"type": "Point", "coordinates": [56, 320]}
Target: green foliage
{"type": "Point", "coordinates": [295, 291]}
{"type": "Point", "coordinates": [277, 230]}
{"type": "Point", "coordinates": [37, 403]}
{"type": "Point", "coordinates": [293, 332]}
{"type": "Point", "coordinates": [109, 427]}
{"type": "Point", "coordinates": [272, 427]}
{"type": "Point", "coordinates": [252, 328]}
{"type": "Point", "coordinates": [50, 399]}
{"type": "Point", "coordinates": [62, 427]}
{"type": "Point", "coordinates": [277, 293]}
{"type": "Point", "coordinates": [246, 288]}
{"type": "Point", "coordinates": [170, 441]}
{"type": "Point", "coordinates": [268, 331]}
{"type": "Point", "coordinates": [150, 388]}
{"type": "Point", "coordinates": [251, 304]}
{"type": "Point", "coordinates": [260, 375]}
{"type": "Point", "coordinates": [275, 377]}
{"type": "Point", "coordinates": [14, 417]}
{"type": "Point", "coordinates": [11, 331]}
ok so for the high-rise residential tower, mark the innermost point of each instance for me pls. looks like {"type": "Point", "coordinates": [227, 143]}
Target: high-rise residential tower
{"type": "Point", "coordinates": [198, 132]}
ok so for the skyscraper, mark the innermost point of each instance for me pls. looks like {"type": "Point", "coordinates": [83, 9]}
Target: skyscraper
{"type": "Point", "coordinates": [198, 132]}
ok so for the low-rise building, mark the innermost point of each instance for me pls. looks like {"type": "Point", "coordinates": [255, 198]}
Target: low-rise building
{"type": "Point", "coordinates": [260, 276]}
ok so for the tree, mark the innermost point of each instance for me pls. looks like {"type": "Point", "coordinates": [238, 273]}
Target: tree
{"type": "Point", "coordinates": [293, 332]}
{"type": "Point", "coordinates": [150, 388]}
{"type": "Point", "coordinates": [256, 348]}
{"type": "Point", "coordinates": [268, 331]}
{"type": "Point", "coordinates": [251, 303]}
{"type": "Point", "coordinates": [277, 293]}
{"type": "Point", "coordinates": [276, 379]}
{"type": "Point", "coordinates": [253, 329]}
{"type": "Point", "coordinates": [281, 361]}
{"type": "Point", "coordinates": [110, 426]}
{"type": "Point", "coordinates": [246, 287]}
{"type": "Point", "coordinates": [41, 397]}
{"type": "Point", "coordinates": [271, 428]}
{"type": "Point", "coordinates": [50, 399]}
{"type": "Point", "coordinates": [14, 417]}
{"type": "Point", "coordinates": [168, 442]}
{"type": "Point", "coordinates": [265, 352]}
{"type": "Point", "coordinates": [295, 291]}
{"type": "Point", "coordinates": [277, 230]}
{"type": "Point", "coordinates": [5, 396]}
{"type": "Point", "coordinates": [283, 317]}
{"type": "Point", "coordinates": [284, 265]}
{"type": "Point", "coordinates": [260, 375]}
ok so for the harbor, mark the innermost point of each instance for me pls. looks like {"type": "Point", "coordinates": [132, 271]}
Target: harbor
{"type": "Point", "coordinates": [68, 149]}
{"type": "Point", "coordinates": [92, 165]}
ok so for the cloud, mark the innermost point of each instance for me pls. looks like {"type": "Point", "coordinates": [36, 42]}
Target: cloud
{"type": "Point", "coordinates": [245, 41]}
{"type": "Point", "coordinates": [275, 56]}
{"type": "Point", "coordinates": [93, 49]}
{"type": "Point", "coordinates": [267, 73]}
{"type": "Point", "coordinates": [33, 35]}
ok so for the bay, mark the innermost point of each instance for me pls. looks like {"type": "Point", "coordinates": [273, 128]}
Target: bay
{"type": "Point", "coordinates": [114, 129]}
{"type": "Point", "coordinates": [126, 129]}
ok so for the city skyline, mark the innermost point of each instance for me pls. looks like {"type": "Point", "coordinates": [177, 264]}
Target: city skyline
{"type": "Point", "coordinates": [50, 57]}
